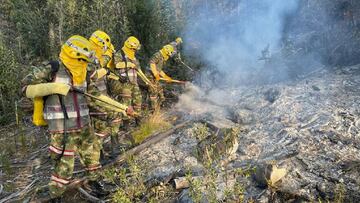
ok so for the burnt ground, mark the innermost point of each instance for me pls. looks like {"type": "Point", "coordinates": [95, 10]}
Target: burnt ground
{"type": "Point", "coordinates": [309, 126]}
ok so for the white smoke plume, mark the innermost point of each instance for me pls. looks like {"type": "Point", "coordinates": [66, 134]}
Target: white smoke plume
{"type": "Point", "coordinates": [232, 35]}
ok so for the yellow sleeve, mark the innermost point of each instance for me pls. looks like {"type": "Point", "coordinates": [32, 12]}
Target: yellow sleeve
{"type": "Point", "coordinates": [166, 77]}
{"type": "Point", "coordinates": [120, 65]}
{"type": "Point", "coordinates": [154, 71]}
{"type": "Point", "coordinates": [125, 65]}
{"type": "Point", "coordinates": [101, 73]}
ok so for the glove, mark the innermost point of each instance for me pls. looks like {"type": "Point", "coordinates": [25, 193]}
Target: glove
{"type": "Point", "coordinates": [113, 76]}
{"type": "Point", "coordinates": [101, 73]}
{"type": "Point", "coordinates": [178, 40]}
{"type": "Point", "coordinates": [122, 65]}
{"type": "Point", "coordinates": [111, 64]}
{"type": "Point", "coordinates": [130, 111]}
{"type": "Point", "coordinates": [157, 77]}
{"type": "Point", "coordinates": [45, 89]}
{"type": "Point", "coordinates": [121, 78]}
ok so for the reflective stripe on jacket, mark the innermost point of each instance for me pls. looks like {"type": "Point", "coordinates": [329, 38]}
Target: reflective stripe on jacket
{"type": "Point", "coordinates": [75, 103]}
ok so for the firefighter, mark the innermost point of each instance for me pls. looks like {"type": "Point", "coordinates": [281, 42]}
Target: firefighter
{"type": "Point", "coordinates": [105, 122]}
{"type": "Point", "coordinates": [155, 71]}
{"type": "Point", "coordinates": [125, 86]}
{"type": "Point", "coordinates": [66, 112]}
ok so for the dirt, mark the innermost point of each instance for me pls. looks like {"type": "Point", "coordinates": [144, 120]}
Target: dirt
{"type": "Point", "coordinates": [309, 126]}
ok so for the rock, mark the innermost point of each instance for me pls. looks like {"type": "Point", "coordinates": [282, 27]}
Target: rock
{"type": "Point", "coordinates": [184, 197]}
{"type": "Point", "coordinates": [242, 116]}
{"type": "Point", "coordinates": [219, 146]}
{"type": "Point", "coordinates": [315, 88]}
{"type": "Point", "coordinates": [272, 95]}
{"type": "Point", "coordinates": [326, 190]}
{"type": "Point", "coordinates": [268, 174]}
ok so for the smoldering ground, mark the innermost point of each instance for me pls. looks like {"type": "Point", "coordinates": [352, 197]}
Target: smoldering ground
{"type": "Point", "coordinates": [269, 42]}
{"type": "Point", "coordinates": [294, 103]}
{"type": "Point", "coordinates": [239, 38]}
{"type": "Point", "coordinates": [236, 41]}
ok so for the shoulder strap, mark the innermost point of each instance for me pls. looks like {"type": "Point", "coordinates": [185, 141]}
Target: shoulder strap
{"type": "Point", "coordinates": [125, 61]}
{"type": "Point", "coordinates": [55, 65]}
{"type": "Point", "coordinates": [65, 136]}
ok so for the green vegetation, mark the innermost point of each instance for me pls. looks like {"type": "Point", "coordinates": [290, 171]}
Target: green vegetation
{"type": "Point", "coordinates": [130, 183]}
{"type": "Point", "coordinates": [33, 31]}
{"type": "Point", "coordinates": [154, 123]}
{"type": "Point", "coordinates": [200, 131]}
{"type": "Point", "coordinates": [340, 192]}
{"type": "Point", "coordinates": [195, 187]}
{"type": "Point", "coordinates": [10, 72]}
{"type": "Point", "coordinates": [128, 179]}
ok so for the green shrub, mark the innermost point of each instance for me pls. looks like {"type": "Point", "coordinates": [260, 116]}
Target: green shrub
{"type": "Point", "coordinates": [9, 85]}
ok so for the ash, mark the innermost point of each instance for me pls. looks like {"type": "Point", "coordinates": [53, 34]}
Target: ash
{"type": "Point", "coordinates": [309, 126]}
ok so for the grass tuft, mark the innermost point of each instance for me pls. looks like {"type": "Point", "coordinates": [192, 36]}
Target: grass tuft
{"type": "Point", "coordinates": [154, 123]}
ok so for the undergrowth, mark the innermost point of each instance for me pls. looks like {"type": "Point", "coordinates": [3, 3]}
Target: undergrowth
{"type": "Point", "coordinates": [154, 123]}
{"type": "Point", "coordinates": [130, 184]}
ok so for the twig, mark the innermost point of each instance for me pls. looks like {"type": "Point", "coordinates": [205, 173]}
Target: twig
{"type": "Point", "coordinates": [150, 141]}
{"type": "Point", "coordinates": [260, 194]}
{"type": "Point", "coordinates": [41, 149]}
{"type": "Point", "coordinates": [14, 163]}
{"type": "Point", "coordinates": [18, 166]}
{"type": "Point", "coordinates": [1, 188]}
{"type": "Point", "coordinates": [20, 193]}
{"type": "Point", "coordinates": [88, 196]}
{"type": "Point", "coordinates": [16, 114]}
{"type": "Point", "coordinates": [76, 183]}
{"type": "Point", "coordinates": [31, 132]}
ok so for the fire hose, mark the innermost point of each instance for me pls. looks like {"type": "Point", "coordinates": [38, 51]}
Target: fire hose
{"type": "Point", "coordinates": [183, 63]}
{"type": "Point", "coordinates": [103, 101]}
{"type": "Point", "coordinates": [174, 81]}
{"type": "Point", "coordinates": [141, 75]}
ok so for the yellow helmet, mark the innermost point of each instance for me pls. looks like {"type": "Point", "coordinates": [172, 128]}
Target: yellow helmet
{"type": "Point", "coordinates": [169, 50]}
{"type": "Point", "coordinates": [178, 40]}
{"type": "Point", "coordinates": [101, 39]}
{"type": "Point", "coordinates": [132, 43]}
{"type": "Point", "coordinates": [78, 47]}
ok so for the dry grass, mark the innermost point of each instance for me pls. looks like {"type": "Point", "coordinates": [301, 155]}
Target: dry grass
{"type": "Point", "coordinates": [154, 123]}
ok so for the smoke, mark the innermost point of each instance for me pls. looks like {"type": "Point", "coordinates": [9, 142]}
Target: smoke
{"type": "Point", "coordinates": [230, 36]}
{"type": "Point", "coordinates": [235, 39]}
{"type": "Point", "coordinates": [251, 42]}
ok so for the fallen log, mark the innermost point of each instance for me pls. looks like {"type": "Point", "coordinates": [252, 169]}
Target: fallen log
{"type": "Point", "coordinates": [146, 143]}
